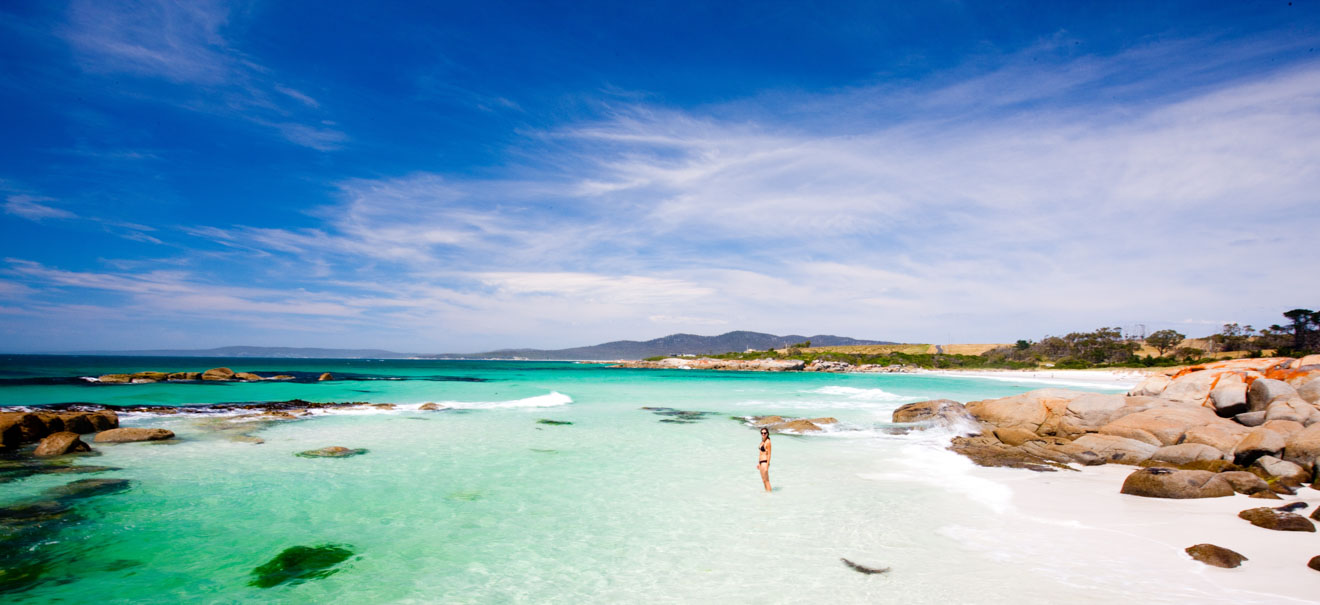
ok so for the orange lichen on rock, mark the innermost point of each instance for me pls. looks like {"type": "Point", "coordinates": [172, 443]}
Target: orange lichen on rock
{"type": "Point", "coordinates": [1259, 365]}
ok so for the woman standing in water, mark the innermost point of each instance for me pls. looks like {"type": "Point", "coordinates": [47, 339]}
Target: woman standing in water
{"type": "Point", "coordinates": [764, 464]}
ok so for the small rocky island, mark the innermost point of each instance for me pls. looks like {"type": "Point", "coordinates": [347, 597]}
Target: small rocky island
{"type": "Point", "coordinates": [211, 375]}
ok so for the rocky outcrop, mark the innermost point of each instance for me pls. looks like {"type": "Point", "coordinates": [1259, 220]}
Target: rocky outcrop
{"type": "Point", "coordinates": [129, 435]}
{"type": "Point", "coordinates": [821, 365]}
{"type": "Point", "coordinates": [1160, 426]}
{"type": "Point", "coordinates": [1216, 556]}
{"type": "Point", "coordinates": [218, 374]}
{"type": "Point", "coordinates": [1274, 467]}
{"type": "Point", "coordinates": [1038, 411]}
{"type": "Point", "coordinates": [941, 412]}
{"type": "Point", "coordinates": [1303, 447]}
{"type": "Point", "coordinates": [778, 424]}
{"type": "Point", "coordinates": [1111, 448]}
{"type": "Point", "coordinates": [1169, 483]}
{"type": "Point", "coordinates": [1270, 518]}
{"type": "Point", "coordinates": [248, 377]}
{"type": "Point", "coordinates": [59, 444]}
{"type": "Point", "coordinates": [1310, 392]}
{"type": "Point", "coordinates": [18, 428]}
{"type": "Point", "coordinates": [1185, 453]}
{"type": "Point", "coordinates": [1244, 482]}
{"type": "Point", "coordinates": [429, 407]}
{"type": "Point", "coordinates": [1265, 391]}
{"type": "Point", "coordinates": [325, 376]}
{"type": "Point", "coordinates": [1258, 442]}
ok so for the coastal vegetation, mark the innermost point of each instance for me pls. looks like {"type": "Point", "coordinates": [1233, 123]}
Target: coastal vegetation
{"type": "Point", "coordinates": [1106, 347]}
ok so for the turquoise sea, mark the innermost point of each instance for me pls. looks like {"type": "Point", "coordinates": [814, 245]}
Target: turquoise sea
{"type": "Point", "coordinates": [482, 503]}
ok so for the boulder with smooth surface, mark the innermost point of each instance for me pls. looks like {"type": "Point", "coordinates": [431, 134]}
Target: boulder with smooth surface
{"type": "Point", "coordinates": [1310, 391]}
{"type": "Point", "coordinates": [218, 374]}
{"type": "Point", "coordinates": [1264, 391]}
{"type": "Point", "coordinates": [1185, 453]}
{"type": "Point", "coordinates": [1303, 447]}
{"type": "Point", "coordinates": [1037, 411]}
{"type": "Point", "coordinates": [1111, 448]}
{"type": "Point", "coordinates": [59, 444]}
{"type": "Point", "coordinates": [133, 434]}
{"type": "Point", "coordinates": [1223, 436]}
{"type": "Point", "coordinates": [942, 412]}
{"type": "Point", "coordinates": [1269, 518]}
{"type": "Point", "coordinates": [1244, 482]}
{"type": "Point", "coordinates": [1229, 399]}
{"type": "Point", "coordinates": [1153, 385]}
{"type": "Point", "coordinates": [1216, 556]}
{"type": "Point", "coordinates": [1160, 426]}
{"type": "Point", "coordinates": [1258, 442]}
{"type": "Point", "coordinates": [1282, 469]}
{"type": "Point", "coordinates": [1170, 483]}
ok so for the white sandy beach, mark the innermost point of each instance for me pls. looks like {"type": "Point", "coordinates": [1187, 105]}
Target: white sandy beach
{"type": "Point", "coordinates": [1077, 525]}
{"type": "Point", "coordinates": [1114, 379]}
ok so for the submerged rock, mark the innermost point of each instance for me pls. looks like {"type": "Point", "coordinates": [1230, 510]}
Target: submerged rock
{"type": "Point", "coordinates": [1217, 556]}
{"type": "Point", "coordinates": [334, 451]}
{"type": "Point", "coordinates": [60, 444]}
{"type": "Point", "coordinates": [554, 422]}
{"type": "Point", "coordinates": [1269, 518]}
{"type": "Point", "coordinates": [87, 488]}
{"type": "Point", "coordinates": [128, 435]}
{"type": "Point", "coordinates": [297, 564]}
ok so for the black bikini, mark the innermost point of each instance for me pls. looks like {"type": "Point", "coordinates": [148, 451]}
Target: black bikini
{"type": "Point", "coordinates": [763, 451]}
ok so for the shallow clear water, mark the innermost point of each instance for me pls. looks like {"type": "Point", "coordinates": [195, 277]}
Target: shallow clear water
{"type": "Point", "coordinates": [480, 503]}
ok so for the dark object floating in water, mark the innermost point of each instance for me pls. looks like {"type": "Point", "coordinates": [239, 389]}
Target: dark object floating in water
{"type": "Point", "coordinates": [334, 451]}
{"type": "Point", "coordinates": [297, 564]}
{"type": "Point", "coordinates": [675, 416]}
{"type": "Point", "coordinates": [554, 422]}
{"type": "Point", "coordinates": [540, 451]}
{"type": "Point", "coordinates": [87, 488]}
{"type": "Point", "coordinates": [862, 568]}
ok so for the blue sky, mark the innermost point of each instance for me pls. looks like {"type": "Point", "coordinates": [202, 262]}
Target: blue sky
{"type": "Point", "coordinates": [463, 177]}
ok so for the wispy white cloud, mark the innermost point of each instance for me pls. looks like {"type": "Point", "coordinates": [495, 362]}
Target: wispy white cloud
{"type": "Point", "coordinates": [33, 208]}
{"type": "Point", "coordinates": [897, 219]}
{"type": "Point", "coordinates": [184, 43]}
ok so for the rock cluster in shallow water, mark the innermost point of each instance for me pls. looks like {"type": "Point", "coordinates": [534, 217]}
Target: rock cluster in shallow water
{"type": "Point", "coordinates": [211, 375]}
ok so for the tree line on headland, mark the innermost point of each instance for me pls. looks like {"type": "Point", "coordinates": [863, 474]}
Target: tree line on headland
{"type": "Point", "coordinates": [1104, 347]}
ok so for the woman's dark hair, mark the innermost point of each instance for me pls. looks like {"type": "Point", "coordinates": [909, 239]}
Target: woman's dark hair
{"type": "Point", "coordinates": [765, 431]}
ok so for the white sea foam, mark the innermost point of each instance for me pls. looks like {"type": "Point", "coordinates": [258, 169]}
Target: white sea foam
{"type": "Point", "coordinates": [552, 399]}
{"type": "Point", "coordinates": [861, 394]}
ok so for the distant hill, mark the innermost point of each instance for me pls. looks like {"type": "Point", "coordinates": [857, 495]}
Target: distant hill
{"type": "Point", "coordinates": [276, 352]}
{"type": "Point", "coordinates": [674, 344]}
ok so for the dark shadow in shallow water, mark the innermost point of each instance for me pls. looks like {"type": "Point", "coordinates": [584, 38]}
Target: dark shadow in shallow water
{"type": "Point", "coordinates": [31, 547]}
{"type": "Point", "coordinates": [298, 564]}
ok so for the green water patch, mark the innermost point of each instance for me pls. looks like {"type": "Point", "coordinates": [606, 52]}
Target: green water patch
{"type": "Point", "coordinates": [298, 564]}
{"type": "Point", "coordinates": [677, 416]}
{"type": "Point", "coordinates": [550, 422]}
{"type": "Point", "coordinates": [30, 544]}
{"type": "Point", "coordinates": [470, 495]}
{"type": "Point", "coordinates": [332, 452]}
{"type": "Point", "coordinates": [14, 470]}
{"type": "Point", "coordinates": [88, 488]}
